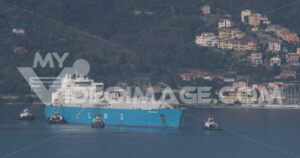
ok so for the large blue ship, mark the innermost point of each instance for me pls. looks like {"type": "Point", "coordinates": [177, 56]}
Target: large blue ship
{"type": "Point", "coordinates": [80, 99]}
{"type": "Point", "coordinates": [120, 117]}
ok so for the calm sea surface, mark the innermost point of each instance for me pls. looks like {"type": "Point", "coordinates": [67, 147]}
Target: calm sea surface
{"type": "Point", "coordinates": [259, 133]}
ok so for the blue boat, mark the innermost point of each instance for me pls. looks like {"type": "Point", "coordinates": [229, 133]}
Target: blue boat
{"type": "Point", "coordinates": [80, 99]}
{"type": "Point", "coordinates": [120, 117]}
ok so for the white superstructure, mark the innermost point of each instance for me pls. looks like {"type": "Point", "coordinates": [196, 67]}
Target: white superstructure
{"type": "Point", "coordinates": [84, 92]}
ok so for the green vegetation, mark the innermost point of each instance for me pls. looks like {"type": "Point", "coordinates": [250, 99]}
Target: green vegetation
{"type": "Point", "coordinates": [121, 44]}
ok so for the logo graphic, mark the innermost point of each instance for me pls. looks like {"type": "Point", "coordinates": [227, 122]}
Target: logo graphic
{"type": "Point", "coordinates": [187, 95]}
{"type": "Point", "coordinates": [37, 83]}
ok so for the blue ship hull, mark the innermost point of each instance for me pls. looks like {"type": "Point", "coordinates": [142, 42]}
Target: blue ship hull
{"type": "Point", "coordinates": [119, 117]}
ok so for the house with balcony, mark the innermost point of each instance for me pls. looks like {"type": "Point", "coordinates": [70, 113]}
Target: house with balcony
{"type": "Point", "coordinates": [290, 37]}
{"type": "Point", "coordinates": [238, 45]}
{"type": "Point", "coordinates": [245, 13]}
{"type": "Point", "coordinates": [225, 44]}
{"type": "Point", "coordinates": [275, 61]}
{"type": "Point", "coordinates": [225, 23]}
{"type": "Point", "coordinates": [286, 74]}
{"type": "Point", "coordinates": [197, 74]}
{"type": "Point", "coordinates": [255, 59]}
{"type": "Point", "coordinates": [244, 45]}
{"type": "Point", "coordinates": [226, 33]}
{"type": "Point", "coordinates": [274, 45]}
{"type": "Point", "coordinates": [207, 39]}
{"type": "Point", "coordinates": [254, 19]}
{"type": "Point", "coordinates": [292, 58]}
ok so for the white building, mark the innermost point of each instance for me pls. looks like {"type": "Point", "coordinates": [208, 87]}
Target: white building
{"type": "Point", "coordinates": [265, 20]}
{"type": "Point", "coordinates": [225, 23]}
{"type": "Point", "coordinates": [244, 14]}
{"type": "Point", "coordinates": [275, 60]}
{"type": "Point", "coordinates": [298, 50]}
{"type": "Point", "coordinates": [18, 31]}
{"type": "Point", "coordinates": [207, 39]}
{"type": "Point", "coordinates": [256, 58]}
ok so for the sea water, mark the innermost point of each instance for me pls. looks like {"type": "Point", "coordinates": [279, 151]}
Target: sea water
{"type": "Point", "coordinates": [248, 133]}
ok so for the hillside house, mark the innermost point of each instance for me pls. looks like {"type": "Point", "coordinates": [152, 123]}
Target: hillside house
{"type": "Point", "coordinates": [207, 39]}
{"type": "Point", "coordinates": [292, 58]}
{"type": "Point", "coordinates": [287, 74]}
{"type": "Point", "coordinates": [290, 37]}
{"type": "Point", "coordinates": [298, 50]}
{"type": "Point", "coordinates": [238, 45]}
{"type": "Point", "coordinates": [19, 50]}
{"type": "Point", "coordinates": [226, 33]}
{"type": "Point", "coordinates": [274, 45]}
{"type": "Point", "coordinates": [206, 9]}
{"type": "Point", "coordinates": [18, 31]}
{"type": "Point", "coordinates": [254, 19]}
{"type": "Point", "coordinates": [225, 23]}
{"type": "Point", "coordinates": [283, 33]}
{"type": "Point", "coordinates": [240, 84]}
{"type": "Point", "coordinates": [275, 61]}
{"type": "Point", "coordinates": [255, 59]}
{"type": "Point", "coordinates": [245, 13]}
{"type": "Point", "coordinates": [265, 20]}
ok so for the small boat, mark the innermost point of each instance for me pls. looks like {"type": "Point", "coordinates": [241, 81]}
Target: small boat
{"type": "Point", "coordinates": [56, 118]}
{"type": "Point", "coordinates": [211, 124]}
{"type": "Point", "coordinates": [97, 122]}
{"type": "Point", "coordinates": [25, 115]}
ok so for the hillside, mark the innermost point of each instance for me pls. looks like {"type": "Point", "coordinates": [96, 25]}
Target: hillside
{"type": "Point", "coordinates": [131, 41]}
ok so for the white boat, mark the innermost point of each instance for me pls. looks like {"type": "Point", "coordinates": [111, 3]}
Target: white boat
{"type": "Point", "coordinates": [211, 124]}
{"type": "Point", "coordinates": [97, 122]}
{"type": "Point", "coordinates": [26, 115]}
{"type": "Point", "coordinates": [56, 118]}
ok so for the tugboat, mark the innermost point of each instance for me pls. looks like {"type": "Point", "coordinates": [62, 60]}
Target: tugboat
{"type": "Point", "coordinates": [56, 118]}
{"type": "Point", "coordinates": [210, 124]}
{"type": "Point", "coordinates": [25, 115]}
{"type": "Point", "coordinates": [97, 122]}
